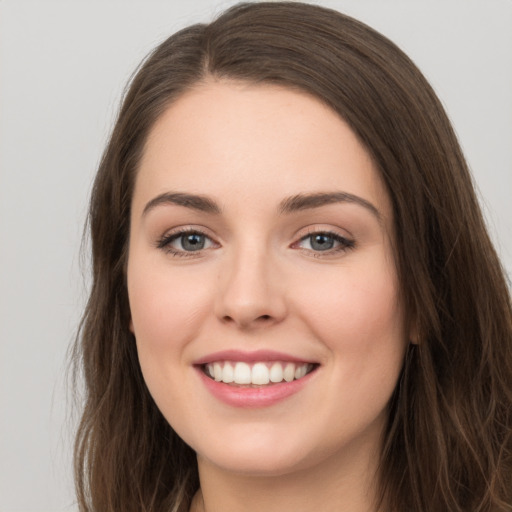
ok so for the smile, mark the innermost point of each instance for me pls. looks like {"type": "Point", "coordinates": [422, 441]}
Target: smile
{"type": "Point", "coordinates": [260, 373]}
{"type": "Point", "coordinates": [256, 379]}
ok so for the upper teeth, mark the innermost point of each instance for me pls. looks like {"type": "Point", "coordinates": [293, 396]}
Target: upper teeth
{"type": "Point", "coordinates": [257, 373]}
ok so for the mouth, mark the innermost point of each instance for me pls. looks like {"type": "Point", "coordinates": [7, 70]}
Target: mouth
{"type": "Point", "coordinates": [257, 379]}
{"type": "Point", "coordinates": [256, 373]}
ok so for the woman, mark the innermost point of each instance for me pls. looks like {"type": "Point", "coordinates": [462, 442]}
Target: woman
{"type": "Point", "coordinates": [295, 303]}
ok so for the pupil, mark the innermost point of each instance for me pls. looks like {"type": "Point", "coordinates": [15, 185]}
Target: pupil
{"type": "Point", "coordinates": [322, 242]}
{"type": "Point", "coordinates": [193, 242]}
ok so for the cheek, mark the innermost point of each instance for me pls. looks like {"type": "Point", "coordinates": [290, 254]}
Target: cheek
{"type": "Point", "coordinates": [166, 306]}
{"type": "Point", "coordinates": [359, 318]}
{"type": "Point", "coordinates": [167, 309]}
{"type": "Point", "coordinates": [358, 311]}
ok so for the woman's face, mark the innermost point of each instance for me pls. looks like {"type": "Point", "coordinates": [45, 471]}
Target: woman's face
{"type": "Point", "coordinates": [263, 290]}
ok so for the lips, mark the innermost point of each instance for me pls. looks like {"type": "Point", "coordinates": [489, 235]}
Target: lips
{"type": "Point", "coordinates": [254, 379]}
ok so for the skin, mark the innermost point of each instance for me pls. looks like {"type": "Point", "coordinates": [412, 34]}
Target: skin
{"type": "Point", "coordinates": [259, 283]}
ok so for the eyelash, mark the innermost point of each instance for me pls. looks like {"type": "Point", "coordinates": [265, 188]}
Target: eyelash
{"type": "Point", "coordinates": [164, 243]}
{"type": "Point", "coordinates": [345, 244]}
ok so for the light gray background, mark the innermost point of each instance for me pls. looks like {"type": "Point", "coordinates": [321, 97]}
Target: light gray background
{"type": "Point", "coordinates": [63, 67]}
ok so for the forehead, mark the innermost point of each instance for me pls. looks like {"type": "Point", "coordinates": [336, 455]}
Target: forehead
{"type": "Point", "coordinates": [253, 140]}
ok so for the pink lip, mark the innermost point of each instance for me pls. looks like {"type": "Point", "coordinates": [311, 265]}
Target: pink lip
{"type": "Point", "coordinates": [252, 397]}
{"type": "Point", "coordinates": [249, 357]}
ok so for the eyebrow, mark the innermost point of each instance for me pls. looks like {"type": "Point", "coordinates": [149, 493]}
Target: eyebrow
{"type": "Point", "coordinates": [193, 201]}
{"type": "Point", "coordinates": [289, 205]}
{"type": "Point", "coordinates": [301, 202]}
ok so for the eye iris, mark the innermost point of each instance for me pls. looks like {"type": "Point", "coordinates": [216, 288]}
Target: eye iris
{"type": "Point", "coordinates": [193, 242]}
{"type": "Point", "coordinates": [322, 242]}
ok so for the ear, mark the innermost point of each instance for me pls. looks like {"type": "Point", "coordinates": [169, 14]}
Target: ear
{"type": "Point", "coordinates": [414, 336]}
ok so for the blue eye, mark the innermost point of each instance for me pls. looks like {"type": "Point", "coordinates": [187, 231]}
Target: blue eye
{"type": "Point", "coordinates": [321, 242]}
{"type": "Point", "coordinates": [192, 241]}
{"type": "Point", "coordinates": [183, 242]}
{"type": "Point", "coordinates": [325, 242]}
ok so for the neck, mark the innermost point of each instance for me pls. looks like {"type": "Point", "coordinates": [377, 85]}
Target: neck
{"type": "Point", "coordinates": [339, 484]}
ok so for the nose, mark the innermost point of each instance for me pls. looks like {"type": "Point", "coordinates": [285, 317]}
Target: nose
{"type": "Point", "coordinates": [250, 293]}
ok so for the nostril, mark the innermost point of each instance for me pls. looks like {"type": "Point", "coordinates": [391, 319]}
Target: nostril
{"type": "Point", "coordinates": [262, 319]}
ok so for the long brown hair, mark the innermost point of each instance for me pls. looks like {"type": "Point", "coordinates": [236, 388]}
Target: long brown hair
{"type": "Point", "coordinates": [448, 442]}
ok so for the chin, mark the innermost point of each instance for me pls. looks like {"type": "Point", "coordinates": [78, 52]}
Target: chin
{"type": "Point", "coordinates": [256, 464]}
{"type": "Point", "coordinates": [262, 452]}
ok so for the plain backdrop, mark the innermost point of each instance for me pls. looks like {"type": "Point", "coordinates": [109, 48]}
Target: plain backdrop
{"type": "Point", "coordinates": [63, 66]}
